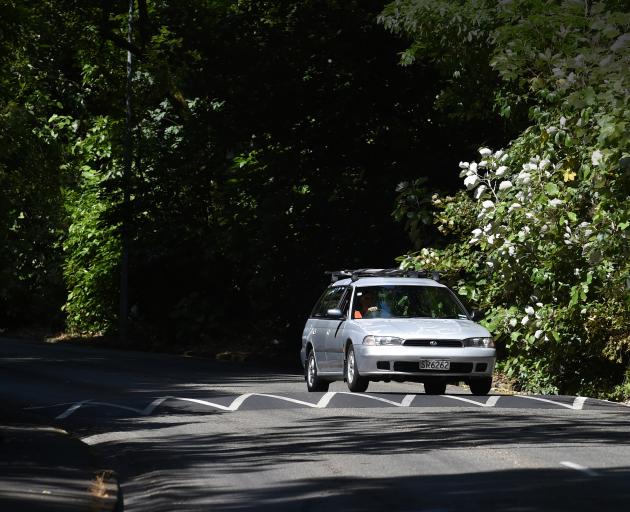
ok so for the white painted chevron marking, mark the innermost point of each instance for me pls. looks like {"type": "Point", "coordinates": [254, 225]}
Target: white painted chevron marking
{"type": "Point", "coordinates": [70, 410]}
{"type": "Point", "coordinates": [235, 404]}
{"type": "Point", "coordinates": [467, 400]}
{"type": "Point", "coordinates": [323, 402]}
{"type": "Point", "coordinates": [551, 401]}
{"type": "Point", "coordinates": [492, 401]}
{"type": "Point", "coordinates": [405, 402]}
{"type": "Point", "coordinates": [578, 403]}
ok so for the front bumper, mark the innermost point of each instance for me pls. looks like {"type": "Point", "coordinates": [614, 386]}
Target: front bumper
{"type": "Point", "coordinates": [403, 360]}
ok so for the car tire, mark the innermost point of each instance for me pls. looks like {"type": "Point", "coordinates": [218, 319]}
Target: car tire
{"type": "Point", "coordinates": [356, 383]}
{"type": "Point", "coordinates": [481, 386]}
{"type": "Point", "coordinates": [313, 381]}
{"type": "Point", "coordinates": [435, 388]}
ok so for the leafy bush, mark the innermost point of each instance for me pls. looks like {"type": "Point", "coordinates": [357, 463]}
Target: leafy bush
{"type": "Point", "coordinates": [540, 238]}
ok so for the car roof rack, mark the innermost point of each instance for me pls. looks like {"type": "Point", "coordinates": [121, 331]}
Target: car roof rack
{"type": "Point", "coordinates": [336, 275]}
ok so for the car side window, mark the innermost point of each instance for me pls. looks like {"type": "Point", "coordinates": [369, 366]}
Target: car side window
{"type": "Point", "coordinates": [329, 300]}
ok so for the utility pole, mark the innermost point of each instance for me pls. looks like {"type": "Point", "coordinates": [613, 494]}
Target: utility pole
{"type": "Point", "coordinates": [128, 157]}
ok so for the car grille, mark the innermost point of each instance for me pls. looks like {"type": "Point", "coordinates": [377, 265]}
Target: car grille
{"type": "Point", "coordinates": [433, 343]}
{"type": "Point", "coordinates": [414, 367]}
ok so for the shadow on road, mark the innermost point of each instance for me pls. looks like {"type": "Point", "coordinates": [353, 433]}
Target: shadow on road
{"type": "Point", "coordinates": [186, 462]}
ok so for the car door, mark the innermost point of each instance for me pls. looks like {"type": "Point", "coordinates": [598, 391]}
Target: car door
{"type": "Point", "coordinates": [334, 332]}
{"type": "Point", "coordinates": [321, 325]}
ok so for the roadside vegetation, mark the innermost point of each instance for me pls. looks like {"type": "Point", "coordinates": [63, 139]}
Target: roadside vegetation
{"type": "Point", "coordinates": [538, 237]}
{"type": "Point", "coordinates": [271, 141]}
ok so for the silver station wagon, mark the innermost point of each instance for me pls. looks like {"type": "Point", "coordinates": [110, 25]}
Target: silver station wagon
{"type": "Point", "coordinates": [390, 324]}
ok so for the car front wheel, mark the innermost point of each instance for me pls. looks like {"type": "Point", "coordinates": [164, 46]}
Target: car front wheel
{"type": "Point", "coordinates": [313, 381]}
{"type": "Point", "coordinates": [480, 387]}
{"type": "Point", "coordinates": [356, 383]}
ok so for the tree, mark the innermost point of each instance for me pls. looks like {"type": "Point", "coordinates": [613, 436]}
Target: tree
{"type": "Point", "coordinates": [540, 241]}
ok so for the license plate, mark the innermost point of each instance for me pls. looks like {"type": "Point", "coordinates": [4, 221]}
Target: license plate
{"type": "Point", "coordinates": [435, 364]}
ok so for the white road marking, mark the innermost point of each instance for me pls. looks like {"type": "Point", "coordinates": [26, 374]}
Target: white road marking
{"type": "Point", "coordinates": [47, 406]}
{"type": "Point", "coordinates": [578, 403]}
{"type": "Point", "coordinates": [406, 402]}
{"type": "Point", "coordinates": [547, 401]}
{"type": "Point", "coordinates": [70, 410]}
{"type": "Point", "coordinates": [462, 399]}
{"type": "Point", "coordinates": [578, 467]}
{"type": "Point", "coordinates": [154, 405]}
{"type": "Point", "coordinates": [323, 402]}
{"type": "Point", "coordinates": [492, 401]}
{"type": "Point", "coordinates": [125, 407]}
{"type": "Point", "coordinates": [235, 405]}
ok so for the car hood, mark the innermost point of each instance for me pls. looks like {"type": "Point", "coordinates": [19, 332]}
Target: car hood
{"type": "Point", "coordinates": [423, 328]}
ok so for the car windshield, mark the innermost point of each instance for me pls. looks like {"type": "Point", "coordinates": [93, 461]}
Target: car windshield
{"type": "Point", "coordinates": [405, 301]}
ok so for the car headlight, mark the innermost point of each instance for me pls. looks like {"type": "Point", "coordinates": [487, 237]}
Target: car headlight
{"type": "Point", "coordinates": [479, 342]}
{"type": "Point", "coordinates": [382, 340]}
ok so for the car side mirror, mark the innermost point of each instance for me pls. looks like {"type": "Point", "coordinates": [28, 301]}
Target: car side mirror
{"type": "Point", "coordinates": [335, 313]}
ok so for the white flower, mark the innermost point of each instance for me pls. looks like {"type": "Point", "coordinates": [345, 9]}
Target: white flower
{"type": "Point", "coordinates": [476, 232]}
{"type": "Point", "coordinates": [529, 310]}
{"type": "Point", "coordinates": [473, 167]}
{"type": "Point", "coordinates": [471, 181]}
{"type": "Point", "coordinates": [487, 204]}
{"type": "Point", "coordinates": [596, 157]}
{"type": "Point", "coordinates": [485, 151]}
{"type": "Point", "coordinates": [487, 228]}
{"type": "Point", "coordinates": [538, 334]}
{"type": "Point", "coordinates": [544, 164]}
{"type": "Point", "coordinates": [555, 202]}
{"type": "Point", "coordinates": [464, 165]}
{"type": "Point", "coordinates": [479, 191]}
{"type": "Point", "coordinates": [501, 170]}
{"type": "Point", "coordinates": [539, 304]}
{"type": "Point", "coordinates": [498, 154]}
{"type": "Point", "coordinates": [490, 264]}
{"type": "Point", "coordinates": [514, 206]}
{"type": "Point", "coordinates": [482, 164]}
{"type": "Point", "coordinates": [524, 177]}
{"type": "Point", "coordinates": [513, 322]}
{"type": "Point", "coordinates": [505, 185]}
{"type": "Point", "coordinates": [511, 250]}
{"type": "Point", "coordinates": [525, 320]}
{"type": "Point", "coordinates": [491, 239]}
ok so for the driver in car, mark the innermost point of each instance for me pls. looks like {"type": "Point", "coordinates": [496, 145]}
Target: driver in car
{"type": "Point", "coordinates": [367, 306]}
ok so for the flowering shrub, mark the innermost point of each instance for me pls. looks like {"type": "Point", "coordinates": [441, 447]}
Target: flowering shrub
{"type": "Point", "coordinates": [540, 238]}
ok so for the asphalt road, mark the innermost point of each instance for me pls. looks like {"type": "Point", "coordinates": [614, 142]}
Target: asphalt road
{"type": "Point", "coordinates": [189, 434]}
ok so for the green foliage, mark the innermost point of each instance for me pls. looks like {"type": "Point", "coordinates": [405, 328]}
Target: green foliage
{"type": "Point", "coordinates": [268, 140]}
{"type": "Point", "coordinates": [92, 243]}
{"type": "Point", "coordinates": [31, 215]}
{"type": "Point", "coordinates": [540, 240]}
